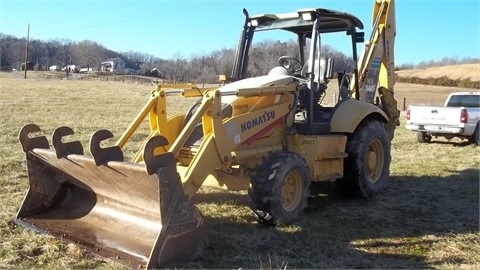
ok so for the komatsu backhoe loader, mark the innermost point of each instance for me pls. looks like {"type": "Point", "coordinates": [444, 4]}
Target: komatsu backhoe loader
{"type": "Point", "coordinates": [269, 135]}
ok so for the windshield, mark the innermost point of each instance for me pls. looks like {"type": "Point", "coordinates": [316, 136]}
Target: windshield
{"type": "Point", "coordinates": [464, 101]}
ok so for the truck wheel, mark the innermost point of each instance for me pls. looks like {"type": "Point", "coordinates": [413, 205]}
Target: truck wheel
{"type": "Point", "coordinates": [367, 167]}
{"type": "Point", "coordinates": [279, 189]}
{"type": "Point", "coordinates": [476, 136]}
{"type": "Point", "coordinates": [423, 137]}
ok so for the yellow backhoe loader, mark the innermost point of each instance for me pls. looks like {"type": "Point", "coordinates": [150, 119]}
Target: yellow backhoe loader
{"type": "Point", "coordinates": [269, 135]}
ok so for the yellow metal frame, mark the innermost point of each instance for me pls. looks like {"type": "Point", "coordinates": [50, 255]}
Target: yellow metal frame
{"type": "Point", "coordinates": [376, 64]}
{"type": "Point", "coordinates": [156, 110]}
{"type": "Point", "coordinates": [225, 142]}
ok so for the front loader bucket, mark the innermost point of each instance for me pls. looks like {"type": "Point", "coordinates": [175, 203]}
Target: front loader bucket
{"type": "Point", "coordinates": [111, 207]}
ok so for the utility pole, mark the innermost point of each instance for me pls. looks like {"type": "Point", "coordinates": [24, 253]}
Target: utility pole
{"type": "Point", "coordinates": [26, 50]}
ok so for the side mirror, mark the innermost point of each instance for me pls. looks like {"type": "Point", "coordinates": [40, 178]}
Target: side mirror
{"type": "Point", "coordinates": [360, 37]}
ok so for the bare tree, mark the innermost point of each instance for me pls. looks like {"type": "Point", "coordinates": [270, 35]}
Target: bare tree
{"type": "Point", "coordinates": [88, 53]}
{"type": "Point", "coordinates": [38, 54]}
{"type": "Point", "coordinates": [65, 53]}
{"type": "Point", "coordinates": [11, 52]}
{"type": "Point", "coordinates": [175, 69]}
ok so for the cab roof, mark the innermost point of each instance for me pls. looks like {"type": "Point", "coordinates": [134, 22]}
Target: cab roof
{"type": "Point", "coordinates": [301, 21]}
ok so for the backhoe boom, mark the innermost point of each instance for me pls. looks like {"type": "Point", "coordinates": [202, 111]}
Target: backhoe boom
{"type": "Point", "coordinates": [376, 64]}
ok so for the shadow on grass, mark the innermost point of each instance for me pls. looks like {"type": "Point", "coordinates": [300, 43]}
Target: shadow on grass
{"type": "Point", "coordinates": [456, 143]}
{"type": "Point", "coordinates": [392, 230]}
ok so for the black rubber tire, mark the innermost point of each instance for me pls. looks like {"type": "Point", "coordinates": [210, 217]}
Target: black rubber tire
{"type": "Point", "coordinates": [367, 167]}
{"type": "Point", "coordinates": [476, 136]}
{"type": "Point", "coordinates": [280, 187]}
{"type": "Point", "coordinates": [423, 137]}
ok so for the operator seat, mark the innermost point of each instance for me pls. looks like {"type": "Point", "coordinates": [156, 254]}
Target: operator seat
{"type": "Point", "coordinates": [318, 70]}
{"type": "Point", "coordinates": [318, 122]}
{"type": "Point", "coordinates": [278, 71]}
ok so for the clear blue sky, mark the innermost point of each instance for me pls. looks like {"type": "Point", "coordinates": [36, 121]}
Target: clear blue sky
{"type": "Point", "coordinates": [426, 29]}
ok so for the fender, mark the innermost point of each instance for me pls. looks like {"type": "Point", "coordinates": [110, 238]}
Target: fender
{"type": "Point", "coordinates": [349, 113]}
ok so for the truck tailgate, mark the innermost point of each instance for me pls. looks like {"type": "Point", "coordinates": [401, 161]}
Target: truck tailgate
{"type": "Point", "coordinates": [445, 116]}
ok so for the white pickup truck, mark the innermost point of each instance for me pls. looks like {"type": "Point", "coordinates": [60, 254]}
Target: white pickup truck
{"type": "Point", "coordinates": [459, 117]}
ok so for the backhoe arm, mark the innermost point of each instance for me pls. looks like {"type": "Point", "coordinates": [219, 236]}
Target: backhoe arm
{"type": "Point", "coordinates": [376, 64]}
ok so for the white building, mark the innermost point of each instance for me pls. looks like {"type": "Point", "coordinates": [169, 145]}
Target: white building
{"type": "Point", "coordinates": [113, 65]}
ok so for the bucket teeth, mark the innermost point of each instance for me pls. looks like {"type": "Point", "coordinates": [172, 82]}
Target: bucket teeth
{"type": "Point", "coordinates": [154, 162]}
{"type": "Point", "coordinates": [103, 155]}
{"type": "Point", "coordinates": [34, 142]}
{"type": "Point", "coordinates": [115, 210]}
{"type": "Point", "coordinates": [63, 149]}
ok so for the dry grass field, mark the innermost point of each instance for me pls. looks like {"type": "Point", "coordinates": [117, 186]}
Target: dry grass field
{"type": "Point", "coordinates": [463, 71]}
{"type": "Point", "coordinates": [427, 217]}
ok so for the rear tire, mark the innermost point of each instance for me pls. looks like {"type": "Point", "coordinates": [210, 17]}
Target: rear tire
{"type": "Point", "coordinates": [280, 188]}
{"type": "Point", "coordinates": [476, 135]}
{"type": "Point", "coordinates": [423, 137]}
{"type": "Point", "coordinates": [367, 166]}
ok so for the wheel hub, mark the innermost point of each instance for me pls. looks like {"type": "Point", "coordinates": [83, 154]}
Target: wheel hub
{"type": "Point", "coordinates": [371, 160]}
{"type": "Point", "coordinates": [374, 161]}
{"type": "Point", "coordinates": [291, 190]}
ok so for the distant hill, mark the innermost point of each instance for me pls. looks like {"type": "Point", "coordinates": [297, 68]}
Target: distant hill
{"type": "Point", "coordinates": [454, 72]}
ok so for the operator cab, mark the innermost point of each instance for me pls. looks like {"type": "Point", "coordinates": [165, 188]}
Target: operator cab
{"type": "Point", "coordinates": [311, 69]}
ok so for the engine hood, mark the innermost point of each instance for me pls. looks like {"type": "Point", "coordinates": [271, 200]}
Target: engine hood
{"type": "Point", "coordinates": [262, 81]}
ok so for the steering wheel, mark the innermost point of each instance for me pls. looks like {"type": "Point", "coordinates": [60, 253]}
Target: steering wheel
{"type": "Point", "coordinates": [291, 63]}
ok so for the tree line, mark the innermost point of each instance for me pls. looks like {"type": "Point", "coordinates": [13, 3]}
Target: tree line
{"type": "Point", "coordinates": [43, 54]}
{"type": "Point", "coordinates": [445, 61]}
{"type": "Point", "coordinates": [197, 68]}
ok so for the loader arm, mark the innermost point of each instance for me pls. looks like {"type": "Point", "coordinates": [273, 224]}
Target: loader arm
{"type": "Point", "coordinates": [156, 111]}
{"type": "Point", "coordinates": [223, 136]}
{"type": "Point", "coordinates": [376, 64]}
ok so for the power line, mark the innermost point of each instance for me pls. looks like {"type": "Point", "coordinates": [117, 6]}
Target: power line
{"type": "Point", "coordinates": [134, 18]}
{"type": "Point", "coordinates": [124, 20]}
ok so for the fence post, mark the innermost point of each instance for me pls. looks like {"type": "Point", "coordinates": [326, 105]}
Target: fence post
{"type": "Point", "coordinates": [404, 103]}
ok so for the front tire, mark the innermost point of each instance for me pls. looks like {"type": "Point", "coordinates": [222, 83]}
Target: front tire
{"type": "Point", "coordinates": [367, 167]}
{"type": "Point", "coordinates": [280, 188]}
{"type": "Point", "coordinates": [423, 137]}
